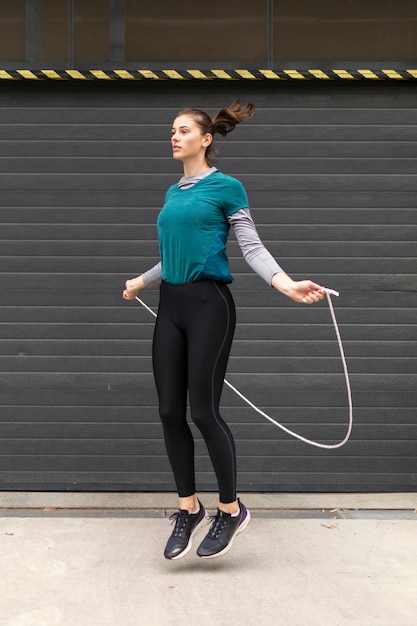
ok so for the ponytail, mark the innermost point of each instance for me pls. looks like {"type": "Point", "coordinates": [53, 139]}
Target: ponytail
{"type": "Point", "coordinates": [223, 122]}
{"type": "Point", "coordinates": [229, 117]}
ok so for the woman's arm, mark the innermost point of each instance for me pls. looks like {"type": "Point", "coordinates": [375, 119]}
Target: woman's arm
{"type": "Point", "coordinates": [264, 264]}
{"type": "Point", "coordinates": [148, 279]}
{"type": "Point", "coordinates": [253, 250]}
{"type": "Point", "coordinates": [299, 290]}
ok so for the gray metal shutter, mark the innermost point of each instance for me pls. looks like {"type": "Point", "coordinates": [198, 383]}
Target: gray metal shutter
{"type": "Point", "coordinates": [330, 170]}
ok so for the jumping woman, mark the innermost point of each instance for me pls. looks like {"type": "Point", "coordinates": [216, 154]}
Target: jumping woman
{"type": "Point", "coordinates": [196, 320]}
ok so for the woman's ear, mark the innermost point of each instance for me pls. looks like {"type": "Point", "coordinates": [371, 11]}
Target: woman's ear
{"type": "Point", "coordinates": [207, 140]}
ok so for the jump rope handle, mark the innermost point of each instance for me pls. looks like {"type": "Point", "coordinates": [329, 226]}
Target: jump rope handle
{"type": "Point", "coordinates": [331, 292]}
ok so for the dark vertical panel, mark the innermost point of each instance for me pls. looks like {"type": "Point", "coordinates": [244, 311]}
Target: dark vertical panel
{"type": "Point", "coordinates": [70, 36]}
{"type": "Point", "coordinates": [270, 32]}
{"type": "Point", "coordinates": [32, 30]}
{"type": "Point", "coordinates": [117, 30]}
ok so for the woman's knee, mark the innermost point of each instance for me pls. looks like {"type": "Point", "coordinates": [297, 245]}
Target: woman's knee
{"type": "Point", "coordinates": [172, 419]}
{"type": "Point", "coordinates": [200, 420]}
{"type": "Point", "coordinates": [205, 419]}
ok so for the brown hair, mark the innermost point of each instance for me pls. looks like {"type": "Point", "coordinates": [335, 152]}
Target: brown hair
{"type": "Point", "coordinates": [223, 122]}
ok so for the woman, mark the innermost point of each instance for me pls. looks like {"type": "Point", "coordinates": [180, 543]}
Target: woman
{"type": "Point", "coordinates": [196, 319]}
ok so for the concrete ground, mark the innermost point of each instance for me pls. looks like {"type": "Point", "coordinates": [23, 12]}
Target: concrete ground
{"type": "Point", "coordinates": [305, 560]}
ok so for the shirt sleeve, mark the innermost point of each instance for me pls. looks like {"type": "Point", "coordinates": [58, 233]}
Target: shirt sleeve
{"type": "Point", "coordinates": [153, 276]}
{"type": "Point", "coordinates": [253, 250]}
{"type": "Point", "coordinates": [234, 196]}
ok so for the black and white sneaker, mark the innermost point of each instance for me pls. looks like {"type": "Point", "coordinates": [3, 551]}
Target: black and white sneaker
{"type": "Point", "coordinates": [224, 529]}
{"type": "Point", "coordinates": [186, 525]}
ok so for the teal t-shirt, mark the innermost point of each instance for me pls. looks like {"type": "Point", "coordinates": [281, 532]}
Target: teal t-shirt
{"type": "Point", "coordinates": [193, 228]}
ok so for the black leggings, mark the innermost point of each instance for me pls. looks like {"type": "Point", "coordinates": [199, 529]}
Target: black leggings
{"type": "Point", "coordinates": [192, 340]}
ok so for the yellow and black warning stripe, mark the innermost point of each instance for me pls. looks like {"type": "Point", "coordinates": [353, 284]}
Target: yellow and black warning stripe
{"type": "Point", "coordinates": [215, 74]}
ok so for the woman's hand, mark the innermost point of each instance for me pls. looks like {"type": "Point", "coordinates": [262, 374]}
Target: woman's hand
{"type": "Point", "coordinates": [299, 290]}
{"type": "Point", "coordinates": [133, 287]}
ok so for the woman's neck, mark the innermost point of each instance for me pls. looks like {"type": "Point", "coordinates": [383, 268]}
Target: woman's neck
{"type": "Point", "coordinates": [195, 167]}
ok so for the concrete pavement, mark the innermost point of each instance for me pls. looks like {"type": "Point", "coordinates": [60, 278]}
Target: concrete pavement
{"type": "Point", "coordinates": [96, 560]}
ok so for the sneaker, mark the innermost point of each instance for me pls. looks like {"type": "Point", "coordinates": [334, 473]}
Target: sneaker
{"type": "Point", "coordinates": [223, 530]}
{"type": "Point", "coordinates": [186, 525]}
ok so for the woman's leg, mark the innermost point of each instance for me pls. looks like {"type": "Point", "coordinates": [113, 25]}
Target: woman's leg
{"type": "Point", "coordinates": [170, 370]}
{"type": "Point", "coordinates": [207, 367]}
{"type": "Point", "coordinates": [210, 333]}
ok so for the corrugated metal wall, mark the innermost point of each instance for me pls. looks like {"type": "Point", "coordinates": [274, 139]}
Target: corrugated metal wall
{"type": "Point", "coordinates": [330, 169]}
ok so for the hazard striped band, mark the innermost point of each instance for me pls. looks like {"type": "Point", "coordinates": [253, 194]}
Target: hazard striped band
{"type": "Point", "coordinates": [214, 74]}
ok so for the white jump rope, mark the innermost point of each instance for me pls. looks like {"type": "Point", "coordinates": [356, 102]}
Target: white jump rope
{"type": "Point", "coordinates": [329, 292]}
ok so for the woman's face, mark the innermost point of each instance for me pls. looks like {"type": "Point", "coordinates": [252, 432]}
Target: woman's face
{"type": "Point", "coordinates": [187, 140]}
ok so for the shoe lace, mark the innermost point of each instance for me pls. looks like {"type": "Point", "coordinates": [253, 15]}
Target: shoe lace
{"type": "Point", "coordinates": [180, 518]}
{"type": "Point", "coordinates": [218, 524]}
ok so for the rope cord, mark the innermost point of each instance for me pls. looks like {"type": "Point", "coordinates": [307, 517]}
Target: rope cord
{"type": "Point", "coordinates": [329, 293]}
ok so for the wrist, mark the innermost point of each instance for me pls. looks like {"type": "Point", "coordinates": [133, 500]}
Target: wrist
{"type": "Point", "coordinates": [282, 282]}
{"type": "Point", "coordinates": [135, 284]}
